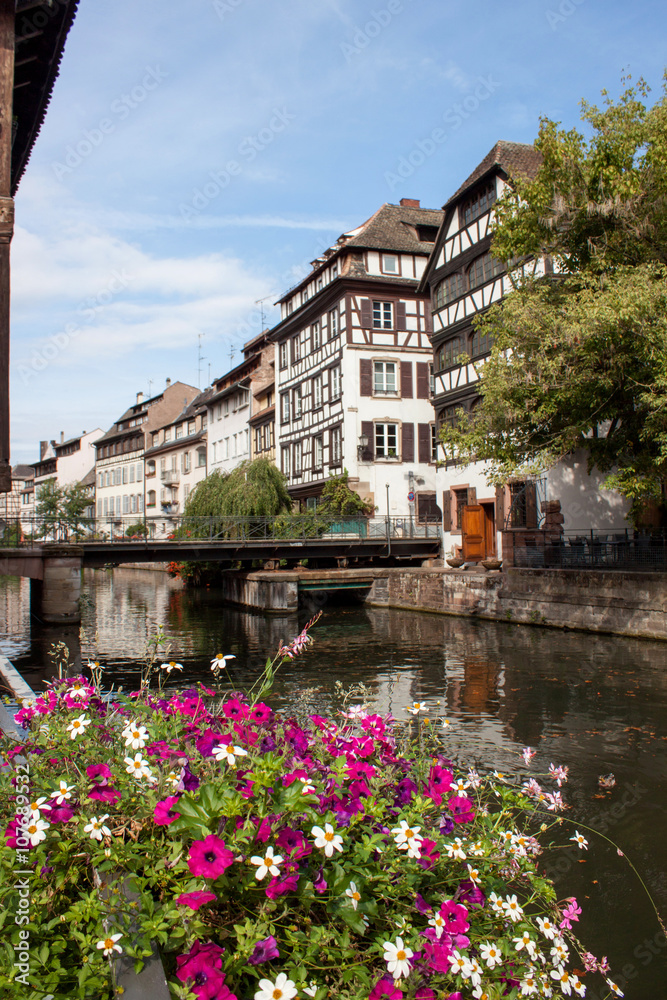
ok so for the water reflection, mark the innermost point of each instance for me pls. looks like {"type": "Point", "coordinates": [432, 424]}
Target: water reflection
{"type": "Point", "coordinates": [596, 703]}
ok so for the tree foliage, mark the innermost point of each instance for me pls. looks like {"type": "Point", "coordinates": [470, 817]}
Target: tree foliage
{"type": "Point", "coordinates": [63, 506]}
{"type": "Point", "coordinates": [580, 355]}
{"type": "Point", "coordinates": [338, 499]}
{"type": "Point", "coordinates": [252, 489]}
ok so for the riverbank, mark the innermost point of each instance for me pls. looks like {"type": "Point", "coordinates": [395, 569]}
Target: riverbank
{"type": "Point", "coordinates": [613, 602]}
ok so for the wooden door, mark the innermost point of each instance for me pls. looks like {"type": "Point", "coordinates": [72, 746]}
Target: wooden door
{"type": "Point", "coordinates": [473, 531]}
{"type": "Point", "coordinates": [489, 530]}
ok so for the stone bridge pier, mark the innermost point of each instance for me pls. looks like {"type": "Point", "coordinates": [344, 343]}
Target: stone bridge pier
{"type": "Point", "coordinates": [55, 580]}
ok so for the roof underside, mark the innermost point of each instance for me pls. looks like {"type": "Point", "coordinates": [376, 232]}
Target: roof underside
{"type": "Point", "coordinates": [41, 33]}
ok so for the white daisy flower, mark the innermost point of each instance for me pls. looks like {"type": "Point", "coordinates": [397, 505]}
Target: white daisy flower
{"type": "Point", "coordinates": [353, 893]}
{"type": "Point", "coordinates": [229, 753]}
{"type": "Point", "coordinates": [96, 827]}
{"type": "Point", "coordinates": [327, 839]}
{"type": "Point", "coordinates": [460, 964]}
{"type": "Point", "coordinates": [135, 736]}
{"type": "Point", "coordinates": [282, 989]}
{"type": "Point", "coordinates": [78, 726]}
{"type": "Point", "coordinates": [397, 956]}
{"type": "Point", "coordinates": [416, 708]}
{"type": "Point", "coordinates": [580, 840]}
{"type": "Point", "coordinates": [614, 988]}
{"type": "Point", "coordinates": [408, 838]}
{"type": "Point", "coordinates": [34, 830]}
{"type": "Point", "coordinates": [172, 665]}
{"type": "Point", "coordinates": [78, 690]}
{"type": "Point", "coordinates": [455, 849]}
{"type": "Point", "coordinates": [138, 767]}
{"type": "Point", "coordinates": [438, 922]}
{"type": "Point", "coordinates": [268, 863]}
{"type": "Point", "coordinates": [491, 954]}
{"type": "Point", "coordinates": [64, 792]}
{"type": "Point", "coordinates": [37, 805]}
{"type": "Point", "coordinates": [109, 944]}
{"type": "Point", "coordinates": [562, 977]}
{"type": "Point", "coordinates": [547, 927]}
{"type": "Point", "coordinates": [219, 661]}
{"type": "Point", "coordinates": [512, 909]}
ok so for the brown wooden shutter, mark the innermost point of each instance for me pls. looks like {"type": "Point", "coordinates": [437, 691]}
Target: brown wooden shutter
{"type": "Point", "coordinates": [367, 428]}
{"type": "Point", "coordinates": [531, 506]}
{"type": "Point", "coordinates": [423, 382]}
{"type": "Point", "coordinates": [366, 314]}
{"type": "Point", "coordinates": [424, 440]}
{"type": "Point", "coordinates": [447, 510]}
{"type": "Point", "coordinates": [500, 508]}
{"type": "Point", "coordinates": [408, 443]}
{"type": "Point", "coordinates": [401, 323]}
{"type": "Point", "coordinates": [365, 377]}
{"type": "Point", "coordinates": [406, 379]}
{"type": "Point", "coordinates": [472, 495]}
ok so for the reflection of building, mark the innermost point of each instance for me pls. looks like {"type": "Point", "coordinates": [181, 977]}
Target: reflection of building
{"type": "Point", "coordinates": [20, 502]}
{"type": "Point", "coordinates": [464, 280]}
{"type": "Point", "coordinates": [240, 408]}
{"type": "Point", "coordinates": [175, 462]}
{"type": "Point", "coordinates": [120, 453]}
{"type": "Point", "coordinates": [353, 366]}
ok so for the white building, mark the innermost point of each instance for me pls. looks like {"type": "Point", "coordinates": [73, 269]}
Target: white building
{"type": "Point", "coordinates": [236, 399]}
{"type": "Point", "coordinates": [353, 367]}
{"type": "Point", "coordinates": [464, 279]}
{"type": "Point", "coordinates": [174, 463]}
{"type": "Point", "coordinates": [119, 467]}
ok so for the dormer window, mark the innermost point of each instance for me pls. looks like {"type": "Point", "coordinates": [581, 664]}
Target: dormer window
{"type": "Point", "coordinates": [479, 202]}
{"type": "Point", "coordinates": [389, 263]}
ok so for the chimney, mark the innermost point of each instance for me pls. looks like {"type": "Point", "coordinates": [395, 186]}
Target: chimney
{"type": "Point", "coordinates": [168, 382]}
{"type": "Point", "coordinates": [410, 203]}
{"type": "Point", "coordinates": [62, 437]}
{"type": "Point", "coordinates": [140, 397]}
{"type": "Point", "coordinates": [43, 445]}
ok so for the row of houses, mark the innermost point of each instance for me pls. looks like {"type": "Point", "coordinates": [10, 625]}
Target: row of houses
{"type": "Point", "coordinates": [374, 350]}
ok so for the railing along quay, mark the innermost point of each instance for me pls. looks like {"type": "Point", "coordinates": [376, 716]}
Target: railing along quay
{"type": "Point", "coordinates": [601, 550]}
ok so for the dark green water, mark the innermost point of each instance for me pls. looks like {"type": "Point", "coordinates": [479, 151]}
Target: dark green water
{"type": "Point", "coordinates": [595, 703]}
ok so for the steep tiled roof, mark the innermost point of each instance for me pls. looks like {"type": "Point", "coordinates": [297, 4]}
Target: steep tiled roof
{"type": "Point", "coordinates": [515, 158]}
{"type": "Point", "coordinates": [23, 472]}
{"type": "Point", "coordinates": [393, 227]}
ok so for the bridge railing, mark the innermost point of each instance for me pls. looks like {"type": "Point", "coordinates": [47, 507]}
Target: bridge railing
{"type": "Point", "coordinates": [33, 531]}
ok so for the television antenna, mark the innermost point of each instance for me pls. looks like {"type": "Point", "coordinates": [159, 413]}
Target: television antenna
{"type": "Point", "coordinates": [260, 303]}
{"type": "Point", "coordinates": [200, 358]}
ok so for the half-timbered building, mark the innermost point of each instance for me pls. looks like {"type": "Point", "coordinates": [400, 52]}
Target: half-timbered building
{"type": "Point", "coordinates": [464, 279]}
{"type": "Point", "coordinates": [353, 366]}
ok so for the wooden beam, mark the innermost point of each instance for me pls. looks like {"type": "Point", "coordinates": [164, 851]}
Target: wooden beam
{"type": "Point", "coordinates": [7, 14]}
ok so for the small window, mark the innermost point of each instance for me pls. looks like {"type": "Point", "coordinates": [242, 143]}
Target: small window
{"type": "Point", "coordinates": [320, 284]}
{"type": "Point", "coordinates": [285, 460]}
{"type": "Point", "coordinates": [478, 203]}
{"type": "Point", "coordinates": [335, 446]}
{"type": "Point", "coordinates": [191, 427]}
{"type": "Point", "coordinates": [201, 457]}
{"type": "Point", "coordinates": [434, 443]}
{"type": "Point", "coordinates": [297, 458]}
{"type": "Point", "coordinates": [283, 354]}
{"type": "Point", "coordinates": [317, 391]}
{"type": "Point", "coordinates": [389, 263]}
{"type": "Point", "coordinates": [179, 431]}
{"type": "Point", "coordinates": [296, 404]}
{"type": "Point", "coordinates": [318, 452]}
{"type": "Point", "coordinates": [431, 379]}
{"type": "Point", "coordinates": [284, 407]}
{"type": "Point", "coordinates": [481, 343]}
{"type": "Point", "coordinates": [335, 383]}
{"type": "Point", "coordinates": [334, 270]}
{"type": "Point", "coordinates": [383, 316]}
{"type": "Point", "coordinates": [450, 352]}
{"type": "Point", "coordinates": [315, 337]}
{"type": "Point", "coordinates": [304, 295]}
{"type": "Point", "coordinates": [386, 441]}
{"type": "Point", "coordinates": [258, 440]}
{"type": "Point", "coordinates": [131, 473]}
{"type": "Point", "coordinates": [384, 378]}
{"type": "Point", "coordinates": [461, 501]}
{"type": "Point", "coordinates": [296, 349]}
{"type": "Point", "coordinates": [333, 323]}
{"type": "Point", "coordinates": [450, 288]}
{"type": "Point", "coordinates": [483, 269]}
{"type": "Point", "coordinates": [150, 498]}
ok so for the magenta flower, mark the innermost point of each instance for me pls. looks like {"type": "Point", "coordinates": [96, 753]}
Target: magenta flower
{"type": "Point", "coordinates": [101, 793]}
{"type": "Point", "coordinates": [280, 887]}
{"type": "Point", "coordinates": [164, 813]}
{"type": "Point", "coordinates": [385, 989]}
{"type": "Point", "coordinates": [319, 883]}
{"type": "Point", "coordinates": [209, 858]}
{"type": "Point", "coordinates": [61, 814]}
{"type": "Point", "coordinates": [424, 993]}
{"type": "Point", "coordinates": [265, 951]}
{"type": "Point", "coordinates": [439, 782]}
{"type": "Point", "coordinates": [195, 899]}
{"type": "Point", "coordinates": [260, 713]}
{"type": "Point", "coordinates": [455, 917]}
{"type": "Point", "coordinates": [234, 709]}
{"type": "Point", "coordinates": [98, 772]}
{"type": "Point", "coordinates": [293, 843]}
{"type": "Point", "coordinates": [200, 970]}
{"type": "Point", "coordinates": [461, 809]}
{"type": "Point", "coordinates": [570, 912]}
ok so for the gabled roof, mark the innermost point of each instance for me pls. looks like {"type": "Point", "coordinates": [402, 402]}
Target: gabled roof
{"type": "Point", "coordinates": [23, 472]}
{"type": "Point", "coordinates": [514, 158]}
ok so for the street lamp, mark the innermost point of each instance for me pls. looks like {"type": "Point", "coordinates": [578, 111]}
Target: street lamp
{"type": "Point", "coordinates": [388, 523]}
{"type": "Point", "coordinates": [362, 446]}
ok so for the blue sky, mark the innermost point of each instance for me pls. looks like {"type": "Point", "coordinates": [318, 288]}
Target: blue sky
{"type": "Point", "coordinates": [198, 155]}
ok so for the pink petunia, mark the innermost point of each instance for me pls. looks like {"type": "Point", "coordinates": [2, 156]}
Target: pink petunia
{"type": "Point", "coordinates": [209, 858]}
{"type": "Point", "coordinates": [164, 813]}
{"type": "Point", "coordinates": [385, 989]}
{"type": "Point", "coordinates": [461, 809]}
{"type": "Point", "coordinates": [98, 772]}
{"type": "Point", "coordinates": [195, 899]}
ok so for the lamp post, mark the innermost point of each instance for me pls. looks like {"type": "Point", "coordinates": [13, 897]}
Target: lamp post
{"type": "Point", "coordinates": [362, 446]}
{"type": "Point", "coordinates": [388, 523]}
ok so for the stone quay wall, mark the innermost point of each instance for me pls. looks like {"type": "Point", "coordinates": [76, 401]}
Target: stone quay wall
{"type": "Point", "coordinates": [616, 602]}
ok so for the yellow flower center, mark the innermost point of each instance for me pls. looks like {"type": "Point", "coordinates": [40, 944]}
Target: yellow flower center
{"type": "Point", "coordinates": [409, 834]}
{"type": "Point", "coordinates": [328, 836]}
{"type": "Point", "coordinates": [268, 861]}
{"type": "Point", "coordinates": [32, 828]}
{"type": "Point", "coordinates": [356, 895]}
{"type": "Point", "coordinates": [400, 955]}
{"type": "Point", "coordinates": [277, 994]}
{"type": "Point", "coordinates": [108, 943]}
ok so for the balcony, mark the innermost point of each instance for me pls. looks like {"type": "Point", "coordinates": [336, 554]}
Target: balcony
{"type": "Point", "coordinates": [170, 475]}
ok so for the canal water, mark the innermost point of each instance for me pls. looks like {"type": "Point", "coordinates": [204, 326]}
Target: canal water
{"type": "Point", "coordinates": [597, 704]}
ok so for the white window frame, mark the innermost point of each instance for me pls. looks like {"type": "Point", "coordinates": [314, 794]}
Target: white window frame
{"type": "Point", "coordinates": [336, 445]}
{"type": "Point", "coordinates": [333, 323]}
{"type": "Point", "coordinates": [336, 383]}
{"type": "Point", "coordinates": [318, 452]}
{"type": "Point", "coordinates": [385, 378]}
{"type": "Point", "coordinates": [382, 315]}
{"type": "Point", "coordinates": [317, 392]}
{"type": "Point", "coordinates": [283, 361]}
{"type": "Point", "coordinates": [297, 402]}
{"type": "Point", "coordinates": [284, 407]}
{"type": "Point", "coordinates": [285, 464]}
{"type": "Point", "coordinates": [297, 458]}
{"type": "Point", "coordinates": [384, 258]}
{"type": "Point", "coordinates": [384, 431]}
{"type": "Point", "coordinates": [315, 337]}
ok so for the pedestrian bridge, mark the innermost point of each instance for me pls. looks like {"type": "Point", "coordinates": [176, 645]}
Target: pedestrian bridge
{"type": "Point", "coordinates": [52, 552]}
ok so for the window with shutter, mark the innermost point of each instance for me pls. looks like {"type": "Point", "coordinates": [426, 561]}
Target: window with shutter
{"type": "Point", "coordinates": [368, 432]}
{"type": "Point", "coordinates": [423, 380]}
{"type": "Point", "coordinates": [406, 379]}
{"type": "Point", "coordinates": [408, 443]}
{"type": "Point", "coordinates": [366, 314]}
{"type": "Point", "coordinates": [401, 322]}
{"type": "Point", "coordinates": [447, 510]}
{"type": "Point", "coordinates": [424, 443]}
{"type": "Point", "coordinates": [365, 377]}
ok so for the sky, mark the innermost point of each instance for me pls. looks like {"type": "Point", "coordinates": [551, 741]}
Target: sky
{"type": "Point", "coordinates": [196, 156]}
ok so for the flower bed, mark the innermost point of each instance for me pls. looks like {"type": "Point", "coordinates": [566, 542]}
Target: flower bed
{"type": "Point", "coordinates": [274, 856]}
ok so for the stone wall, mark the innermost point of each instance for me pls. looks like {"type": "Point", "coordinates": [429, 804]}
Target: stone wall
{"type": "Point", "coordinates": [270, 592]}
{"type": "Point", "coordinates": [633, 604]}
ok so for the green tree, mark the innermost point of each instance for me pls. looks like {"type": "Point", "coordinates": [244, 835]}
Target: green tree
{"type": "Point", "coordinates": [580, 353]}
{"type": "Point", "coordinates": [62, 506]}
{"type": "Point", "coordinates": [339, 500]}
{"type": "Point", "coordinates": [253, 489]}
